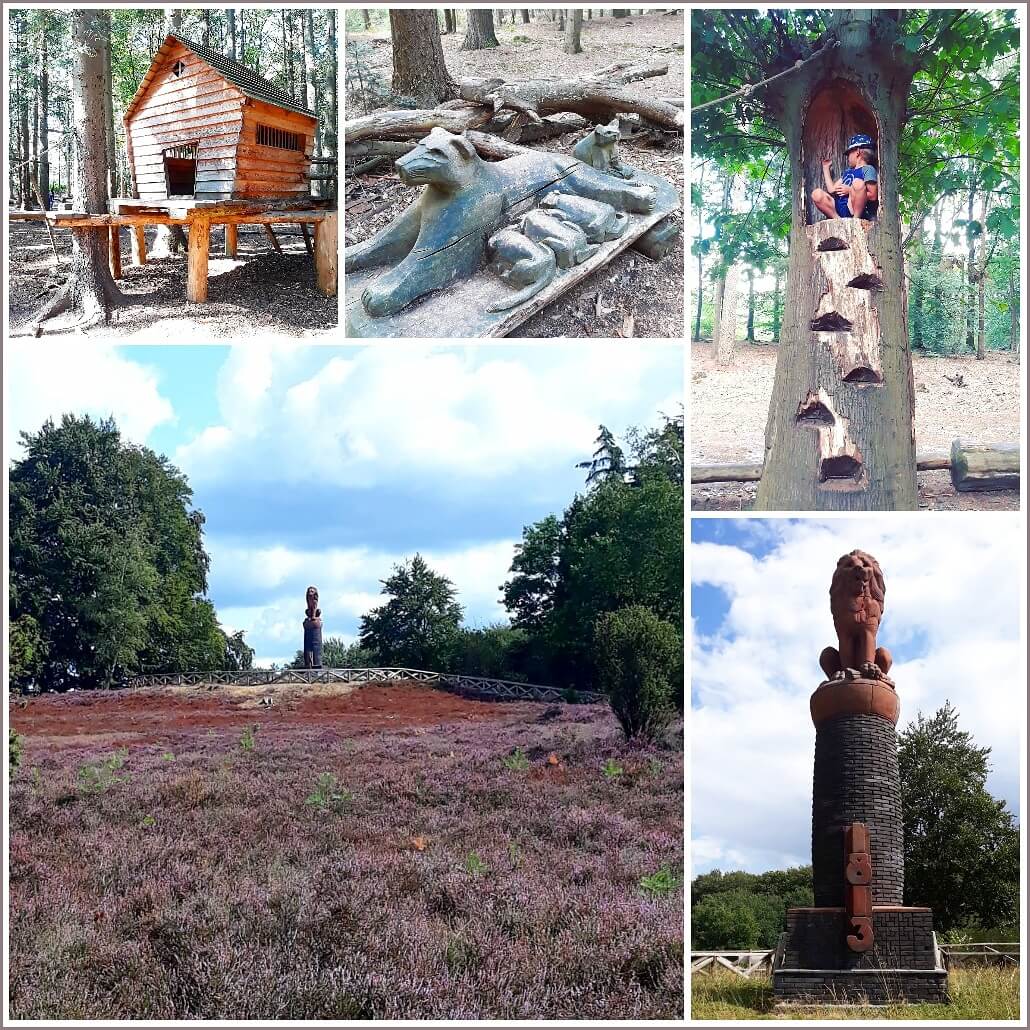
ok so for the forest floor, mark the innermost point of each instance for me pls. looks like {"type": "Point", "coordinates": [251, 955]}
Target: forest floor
{"type": "Point", "coordinates": [259, 292]}
{"type": "Point", "coordinates": [631, 295]}
{"type": "Point", "coordinates": [384, 852]}
{"type": "Point", "coordinates": [976, 993]}
{"type": "Point", "coordinates": [729, 407]}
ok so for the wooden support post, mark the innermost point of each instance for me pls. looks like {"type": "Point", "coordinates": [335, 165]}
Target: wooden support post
{"type": "Point", "coordinates": [115, 250]}
{"type": "Point", "coordinates": [138, 241]}
{"type": "Point", "coordinates": [230, 240]}
{"type": "Point", "coordinates": [326, 254]}
{"type": "Point", "coordinates": [307, 237]}
{"type": "Point", "coordinates": [272, 239]}
{"type": "Point", "coordinates": [200, 240]}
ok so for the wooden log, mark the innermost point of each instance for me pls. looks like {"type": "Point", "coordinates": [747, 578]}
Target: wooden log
{"type": "Point", "coordinates": [115, 251]}
{"type": "Point", "coordinates": [326, 255]}
{"type": "Point", "coordinates": [271, 237]}
{"type": "Point", "coordinates": [138, 244]}
{"type": "Point", "coordinates": [200, 241]}
{"type": "Point", "coordinates": [725, 473]}
{"type": "Point", "coordinates": [414, 124]}
{"type": "Point", "coordinates": [230, 240]}
{"type": "Point", "coordinates": [659, 240]}
{"type": "Point", "coordinates": [984, 467]}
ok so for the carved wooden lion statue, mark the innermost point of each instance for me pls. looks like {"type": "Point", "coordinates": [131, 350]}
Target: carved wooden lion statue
{"type": "Point", "coordinates": [856, 603]}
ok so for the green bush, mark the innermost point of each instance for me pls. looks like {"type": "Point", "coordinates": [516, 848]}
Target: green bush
{"type": "Point", "coordinates": [735, 920]}
{"type": "Point", "coordinates": [640, 667]}
{"type": "Point", "coordinates": [13, 751]}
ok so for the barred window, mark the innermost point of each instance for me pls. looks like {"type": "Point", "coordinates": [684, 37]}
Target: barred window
{"type": "Point", "coordinates": [178, 68]}
{"type": "Point", "coordinates": [279, 138]}
{"type": "Point", "coordinates": [187, 151]}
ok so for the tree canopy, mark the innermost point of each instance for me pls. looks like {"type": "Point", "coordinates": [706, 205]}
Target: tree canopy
{"type": "Point", "coordinates": [107, 565]}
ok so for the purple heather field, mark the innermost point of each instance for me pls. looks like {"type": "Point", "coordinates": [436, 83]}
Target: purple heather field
{"type": "Point", "coordinates": [442, 874]}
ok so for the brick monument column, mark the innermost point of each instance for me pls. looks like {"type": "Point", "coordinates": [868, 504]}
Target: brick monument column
{"type": "Point", "coordinates": [859, 942]}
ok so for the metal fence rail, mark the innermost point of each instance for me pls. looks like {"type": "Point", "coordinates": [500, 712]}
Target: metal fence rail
{"type": "Point", "coordinates": [744, 963]}
{"type": "Point", "coordinates": [473, 686]}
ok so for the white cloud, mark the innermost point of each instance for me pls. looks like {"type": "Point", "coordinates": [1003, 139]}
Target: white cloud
{"type": "Point", "coordinates": [349, 585]}
{"type": "Point", "coordinates": [952, 608]}
{"type": "Point", "coordinates": [371, 413]}
{"type": "Point", "coordinates": [48, 380]}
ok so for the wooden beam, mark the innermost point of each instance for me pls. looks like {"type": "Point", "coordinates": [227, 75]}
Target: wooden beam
{"type": "Point", "coordinates": [115, 251]}
{"type": "Point", "coordinates": [138, 241]}
{"type": "Point", "coordinates": [269, 232]}
{"type": "Point", "coordinates": [230, 240]}
{"type": "Point", "coordinates": [200, 241]}
{"type": "Point", "coordinates": [307, 237]}
{"type": "Point", "coordinates": [326, 255]}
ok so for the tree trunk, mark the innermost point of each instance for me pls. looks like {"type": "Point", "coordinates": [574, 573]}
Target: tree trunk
{"type": "Point", "coordinates": [750, 306]}
{"type": "Point", "coordinates": [448, 21]}
{"type": "Point", "coordinates": [479, 32]}
{"type": "Point", "coordinates": [44, 113]}
{"type": "Point", "coordinates": [525, 16]}
{"type": "Point", "coordinates": [366, 19]}
{"type": "Point", "coordinates": [777, 307]}
{"type": "Point", "coordinates": [112, 150]}
{"type": "Point", "coordinates": [981, 335]}
{"type": "Point", "coordinates": [561, 20]}
{"type": "Point", "coordinates": [24, 166]}
{"type": "Point", "coordinates": [1013, 312]}
{"type": "Point", "coordinates": [620, 13]}
{"type": "Point", "coordinates": [970, 262]}
{"type": "Point", "coordinates": [331, 138]}
{"type": "Point", "coordinates": [720, 282]}
{"type": "Point", "coordinates": [573, 28]}
{"type": "Point", "coordinates": [170, 239]}
{"type": "Point", "coordinates": [700, 295]}
{"type": "Point", "coordinates": [311, 67]}
{"type": "Point", "coordinates": [232, 33]}
{"type": "Point", "coordinates": [418, 65]}
{"type": "Point", "coordinates": [726, 332]}
{"type": "Point", "coordinates": [840, 434]}
{"type": "Point", "coordinates": [91, 289]}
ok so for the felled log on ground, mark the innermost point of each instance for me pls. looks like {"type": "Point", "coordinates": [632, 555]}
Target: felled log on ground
{"type": "Point", "coordinates": [599, 95]}
{"type": "Point", "coordinates": [992, 467]}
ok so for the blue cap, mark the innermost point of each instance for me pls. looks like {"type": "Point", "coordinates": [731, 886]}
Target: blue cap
{"type": "Point", "coordinates": [858, 140]}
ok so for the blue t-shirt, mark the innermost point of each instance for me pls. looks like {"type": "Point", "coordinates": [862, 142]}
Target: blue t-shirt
{"type": "Point", "coordinates": [866, 173]}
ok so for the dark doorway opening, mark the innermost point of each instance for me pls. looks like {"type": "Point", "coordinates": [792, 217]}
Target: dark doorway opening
{"type": "Point", "coordinates": [181, 170]}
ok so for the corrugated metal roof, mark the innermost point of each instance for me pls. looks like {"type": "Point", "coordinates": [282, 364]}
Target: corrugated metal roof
{"type": "Point", "coordinates": [247, 81]}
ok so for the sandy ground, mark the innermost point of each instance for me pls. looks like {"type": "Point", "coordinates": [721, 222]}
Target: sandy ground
{"type": "Point", "coordinates": [631, 296]}
{"type": "Point", "coordinates": [151, 715]}
{"type": "Point", "coordinates": [729, 406]}
{"type": "Point", "coordinates": [261, 291]}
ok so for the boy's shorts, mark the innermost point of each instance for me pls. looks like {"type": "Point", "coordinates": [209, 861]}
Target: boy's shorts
{"type": "Point", "coordinates": [841, 204]}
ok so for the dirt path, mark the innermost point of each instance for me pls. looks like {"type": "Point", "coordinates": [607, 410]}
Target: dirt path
{"type": "Point", "coordinates": [729, 405]}
{"type": "Point", "coordinates": [259, 292]}
{"type": "Point", "coordinates": [630, 296]}
{"type": "Point", "coordinates": [146, 716]}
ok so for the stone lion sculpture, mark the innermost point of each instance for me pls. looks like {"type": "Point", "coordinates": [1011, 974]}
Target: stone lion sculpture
{"type": "Point", "coordinates": [443, 235]}
{"type": "Point", "coordinates": [856, 603]}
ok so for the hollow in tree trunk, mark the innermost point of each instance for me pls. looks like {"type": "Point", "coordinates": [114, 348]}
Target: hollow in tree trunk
{"type": "Point", "coordinates": [840, 434]}
{"type": "Point", "coordinates": [418, 65]}
{"type": "Point", "coordinates": [90, 289]}
{"type": "Point", "coordinates": [479, 32]}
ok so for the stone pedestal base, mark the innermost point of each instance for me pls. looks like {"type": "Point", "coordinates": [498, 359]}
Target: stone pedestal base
{"type": "Point", "coordinates": [814, 965]}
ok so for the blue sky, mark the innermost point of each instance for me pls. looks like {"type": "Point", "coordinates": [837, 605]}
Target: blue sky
{"type": "Point", "coordinates": [760, 616]}
{"type": "Point", "coordinates": [327, 465]}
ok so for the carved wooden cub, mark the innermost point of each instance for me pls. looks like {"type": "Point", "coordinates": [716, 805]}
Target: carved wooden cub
{"type": "Point", "coordinates": [442, 237]}
{"type": "Point", "coordinates": [598, 149]}
{"type": "Point", "coordinates": [520, 262]}
{"type": "Point", "coordinates": [600, 222]}
{"type": "Point", "coordinates": [566, 239]}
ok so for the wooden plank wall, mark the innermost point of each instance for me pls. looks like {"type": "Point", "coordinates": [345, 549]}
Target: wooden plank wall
{"type": "Point", "coordinates": [271, 171]}
{"type": "Point", "coordinates": [199, 105]}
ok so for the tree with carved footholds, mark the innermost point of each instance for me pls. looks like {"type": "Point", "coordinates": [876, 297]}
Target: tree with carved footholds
{"type": "Point", "coordinates": [816, 79]}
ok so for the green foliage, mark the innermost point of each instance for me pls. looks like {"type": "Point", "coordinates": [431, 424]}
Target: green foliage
{"type": "Point", "coordinates": [248, 738]}
{"type": "Point", "coordinates": [14, 749]}
{"type": "Point", "coordinates": [99, 777]}
{"type": "Point", "coordinates": [516, 761]}
{"type": "Point", "coordinates": [418, 627]}
{"type": "Point", "coordinates": [618, 545]}
{"type": "Point", "coordinates": [27, 650]}
{"type": "Point", "coordinates": [640, 668]}
{"type": "Point", "coordinates": [329, 795]}
{"type": "Point", "coordinates": [474, 865]}
{"type": "Point", "coordinates": [661, 883]}
{"type": "Point", "coordinates": [612, 770]}
{"type": "Point", "coordinates": [107, 563]}
{"type": "Point", "coordinates": [736, 919]}
{"type": "Point", "coordinates": [495, 651]}
{"type": "Point", "coordinates": [961, 844]}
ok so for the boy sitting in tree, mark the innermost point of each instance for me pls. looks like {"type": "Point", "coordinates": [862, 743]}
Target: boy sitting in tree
{"type": "Point", "coordinates": [855, 193]}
